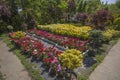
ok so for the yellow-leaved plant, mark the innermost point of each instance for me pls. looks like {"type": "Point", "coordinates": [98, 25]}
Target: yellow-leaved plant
{"type": "Point", "coordinates": [18, 34]}
{"type": "Point", "coordinates": [108, 34]}
{"type": "Point", "coordinates": [71, 59]}
{"type": "Point", "coordinates": [67, 30]}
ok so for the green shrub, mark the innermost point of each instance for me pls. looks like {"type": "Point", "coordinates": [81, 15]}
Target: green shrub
{"type": "Point", "coordinates": [96, 37]}
{"type": "Point", "coordinates": [10, 28]}
{"type": "Point", "coordinates": [117, 24]}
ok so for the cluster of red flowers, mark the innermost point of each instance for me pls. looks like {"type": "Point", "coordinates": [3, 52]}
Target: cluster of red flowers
{"type": "Point", "coordinates": [69, 42]}
{"type": "Point", "coordinates": [50, 55]}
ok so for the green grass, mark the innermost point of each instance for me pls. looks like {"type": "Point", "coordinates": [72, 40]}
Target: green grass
{"type": "Point", "coordinates": [82, 77]}
{"type": "Point", "coordinates": [1, 76]}
{"type": "Point", "coordinates": [34, 73]}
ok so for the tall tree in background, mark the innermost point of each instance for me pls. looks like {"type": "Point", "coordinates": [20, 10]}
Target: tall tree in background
{"type": "Point", "coordinates": [118, 3]}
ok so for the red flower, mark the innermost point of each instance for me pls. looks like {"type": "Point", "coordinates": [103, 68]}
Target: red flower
{"type": "Point", "coordinates": [50, 60]}
{"type": "Point", "coordinates": [46, 60]}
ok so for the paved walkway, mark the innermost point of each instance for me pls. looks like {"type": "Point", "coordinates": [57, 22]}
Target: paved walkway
{"type": "Point", "coordinates": [110, 68]}
{"type": "Point", "coordinates": [10, 65]}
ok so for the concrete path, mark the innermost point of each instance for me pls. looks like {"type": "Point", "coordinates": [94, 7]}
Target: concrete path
{"type": "Point", "coordinates": [110, 68]}
{"type": "Point", "coordinates": [10, 65]}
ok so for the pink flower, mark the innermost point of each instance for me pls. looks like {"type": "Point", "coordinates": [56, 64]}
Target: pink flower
{"type": "Point", "coordinates": [54, 60]}
{"type": "Point", "coordinates": [59, 68]}
{"type": "Point", "coordinates": [50, 54]}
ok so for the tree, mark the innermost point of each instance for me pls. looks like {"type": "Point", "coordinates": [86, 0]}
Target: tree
{"type": "Point", "coordinates": [118, 3]}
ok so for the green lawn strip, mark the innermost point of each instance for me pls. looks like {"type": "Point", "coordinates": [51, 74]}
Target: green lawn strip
{"type": "Point", "coordinates": [1, 76]}
{"type": "Point", "coordinates": [35, 73]}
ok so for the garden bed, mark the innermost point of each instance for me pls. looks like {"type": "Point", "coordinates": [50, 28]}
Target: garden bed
{"type": "Point", "coordinates": [44, 48]}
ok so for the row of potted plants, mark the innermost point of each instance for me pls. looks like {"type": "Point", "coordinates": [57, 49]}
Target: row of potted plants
{"type": "Point", "coordinates": [69, 42]}
{"type": "Point", "coordinates": [67, 30]}
{"type": "Point", "coordinates": [78, 32]}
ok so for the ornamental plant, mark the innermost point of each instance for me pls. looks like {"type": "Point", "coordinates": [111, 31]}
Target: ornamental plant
{"type": "Point", "coordinates": [67, 30]}
{"type": "Point", "coordinates": [18, 34]}
{"type": "Point", "coordinates": [109, 34]}
{"type": "Point", "coordinates": [96, 37]}
{"type": "Point", "coordinates": [117, 24]}
{"type": "Point", "coordinates": [71, 59]}
{"type": "Point", "coordinates": [82, 18]}
{"type": "Point", "coordinates": [65, 41]}
{"type": "Point", "coordinates": [101, 18]}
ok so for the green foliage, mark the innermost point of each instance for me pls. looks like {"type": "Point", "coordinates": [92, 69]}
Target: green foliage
{"type": "Point", "coordinates": [82, 77]}
{"type": "Point", "coordinates": [118, 3]}
{"type": "Point", "coordinates": [1, 76]}
{"type": "Point", "coordinates": [89, 6]}
{"type": "Point", "coordinates": [9, 27]}
{"type": "Point", "coordinates": [81, 7]}
{"type": "Point", "coordinates": [96, 37]}
{"type": "Point", "coordinates": [3, 27]}
{"type": "Point", "coordinates": [117, 23]}
{"type": "Point", "coordinates": [114, 9]}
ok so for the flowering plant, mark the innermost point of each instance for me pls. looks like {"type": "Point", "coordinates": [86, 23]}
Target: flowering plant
{"type": "Point", "coordinates": [69, 42]}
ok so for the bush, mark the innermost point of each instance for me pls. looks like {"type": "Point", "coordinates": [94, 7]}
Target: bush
{"type": "Point", "coordinates": [18, 34]}
{"type": "Point", "coordinates": [96, 37]}
{"type": "Point", "coordinates": [117, 24]}
{"type": "Point", "coordinates": [10, 28]}
{"type": "Point", "coordinates": [101, 18]}
{"type": "Point", "coordinates": [82, 18]}
{"type": "Point", "coordinates": [109, 34]}
{"type": "Point", "coordinates": [71, 59]}
{"type": "Point", "coordinates": [3, 27]}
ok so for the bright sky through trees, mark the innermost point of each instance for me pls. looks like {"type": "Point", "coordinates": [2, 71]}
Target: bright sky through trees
{"type": "Point", "coordinates": [109, 1]}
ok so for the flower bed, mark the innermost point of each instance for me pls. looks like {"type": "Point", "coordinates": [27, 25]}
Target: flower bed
{"type": "Point", "coordinates": [48, 56]}
{"type": "Point", "coordinates": [76, 32]}
{"type": "Point", "coordinates": [69, 42]}
{"type": "Point", "coordinates": [67, 30]}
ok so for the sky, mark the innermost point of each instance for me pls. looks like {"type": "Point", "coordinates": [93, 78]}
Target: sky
{"type": "Point", "coordinates": [109, 1]}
